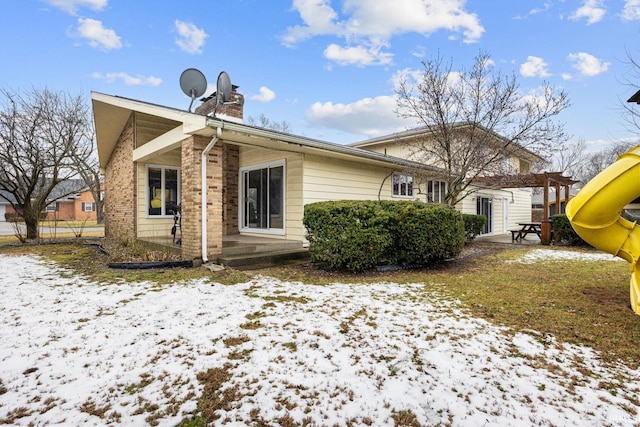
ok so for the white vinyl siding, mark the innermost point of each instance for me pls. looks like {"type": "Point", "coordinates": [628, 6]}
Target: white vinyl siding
{"type": "Point", "coordinates": [335, 179]}
{"type": "Point", "coordinates": [519, 207]}
{"type": "Point", "coordinates": [250, 157]}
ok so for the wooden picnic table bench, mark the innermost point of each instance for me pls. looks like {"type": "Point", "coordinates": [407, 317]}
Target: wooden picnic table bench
{"type": "Point", "coordinates": [526, 228]}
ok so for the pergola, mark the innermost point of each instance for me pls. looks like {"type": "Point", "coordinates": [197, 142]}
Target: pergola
{"type": "Point", "coordinates": [544, 180]}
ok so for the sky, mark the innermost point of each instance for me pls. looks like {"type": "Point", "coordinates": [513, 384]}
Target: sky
{"type": "Point", "coordinates": [329, 69]}
{"type": "Point", "coordinates": [76, 352]}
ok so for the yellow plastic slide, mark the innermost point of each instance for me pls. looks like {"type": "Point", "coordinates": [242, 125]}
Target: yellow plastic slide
{"type": "Point", "coordinates": [595, 214]}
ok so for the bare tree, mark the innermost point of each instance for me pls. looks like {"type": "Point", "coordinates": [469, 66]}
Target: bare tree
{"type": "Point", "coordinates": [476, 119]}
{"type": "Point", "coordinates": [570, 160]}
{"type": "Point", "coordinates": [264, 122]}
{"type": "Point", "coordinates": [630, 110]}
{"type": "Point", "coordinates": [87, 166]}
{"type": "Point", "coordinates": [42, 134]}
{"type": "Point", "coordinates": [599, 161]}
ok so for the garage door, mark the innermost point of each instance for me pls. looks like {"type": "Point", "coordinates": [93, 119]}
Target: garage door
{"type": "Point", "coordinates": [3, 209]}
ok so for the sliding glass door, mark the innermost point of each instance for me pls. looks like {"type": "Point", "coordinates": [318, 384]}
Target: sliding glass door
{"type": "Point", "coordinates": [263, 195]}
{"type": "Point", "coordinates": [484, 206]}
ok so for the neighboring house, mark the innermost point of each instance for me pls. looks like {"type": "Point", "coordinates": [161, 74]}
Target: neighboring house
{"type": "Point", "coordinates": [78, 206]}
{"type": "Point", "coordinates": [5, 206]}
{"type": "Point", "coordinates": [230, 178]}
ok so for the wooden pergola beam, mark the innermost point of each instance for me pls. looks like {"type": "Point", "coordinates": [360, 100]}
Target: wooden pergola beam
{"type": "Point", "coordinates": [533, 180]}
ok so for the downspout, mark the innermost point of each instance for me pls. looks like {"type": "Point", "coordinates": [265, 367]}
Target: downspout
{"type": "Point", "coordinates": [203, 173]}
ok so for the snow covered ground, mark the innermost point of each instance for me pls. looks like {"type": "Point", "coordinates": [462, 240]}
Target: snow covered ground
{"type": "Point", "coordinates": [74, 352]}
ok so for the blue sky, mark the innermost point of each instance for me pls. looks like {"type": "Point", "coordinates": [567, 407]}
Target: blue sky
{"type": "Point", "coordinates": [328, 68]}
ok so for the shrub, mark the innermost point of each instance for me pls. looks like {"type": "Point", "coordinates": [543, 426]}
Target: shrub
{"type": "Point", "coordinates": [358, 235]}
{"type": "Point", "coordinates": [424, 233]}
{"type": "Point", "coordinates": [473, 225]}
{"type": "Point", "coordinates": [346, 235]}
{"type": "Point", "coordinates": [564, 233]}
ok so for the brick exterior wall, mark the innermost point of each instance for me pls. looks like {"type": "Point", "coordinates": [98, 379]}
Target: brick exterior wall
{"type": "Point", "coordinates": [192, 198]}
{"type": "Point", "coordinates": [120, 205]}
{"type": "Point", "coordinates": [231, 162]}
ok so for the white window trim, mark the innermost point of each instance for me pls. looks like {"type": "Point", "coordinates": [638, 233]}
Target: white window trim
{"type": "Point", "coordinates": [148, 191]}
{"type": "Point", "coordinates": [242, 198]}
{"type": "Point", "coordinates": [92, 206]}
{"type": "Point", "coordinates": [400, 196]}
{"type": "Point", "coordinates": [51, 207]}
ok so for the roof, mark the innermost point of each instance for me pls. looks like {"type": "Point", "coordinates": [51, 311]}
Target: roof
{"type": "Point", "coordinates": [635, 98]}
{"type": "Point", "coordinates": [420, 131]}
{"type": "Point", "coordinates": [63, 189]}
{"type": "Point", "coordinates": [111, 114]}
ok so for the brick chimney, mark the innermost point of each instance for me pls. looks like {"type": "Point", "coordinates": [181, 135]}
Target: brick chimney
{"type": "Point", "coordinates": [233, 108]}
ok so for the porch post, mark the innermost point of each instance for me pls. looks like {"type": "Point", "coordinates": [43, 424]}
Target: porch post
{"type": "Point", "coordinates": [192, 149]}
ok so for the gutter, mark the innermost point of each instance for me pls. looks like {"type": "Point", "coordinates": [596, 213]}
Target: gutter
{"type": "Point", "coordinates": [303, 142]}
{"type": "Point", "coordinates": [203, 173]}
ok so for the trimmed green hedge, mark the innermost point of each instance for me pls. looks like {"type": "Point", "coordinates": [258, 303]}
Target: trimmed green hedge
{"type": "Point", "coordinates": [358, 235]}
{"type": "Point", "coordinates": [473, 225]}
{"type": "Point", "coordinates": [563, 233]}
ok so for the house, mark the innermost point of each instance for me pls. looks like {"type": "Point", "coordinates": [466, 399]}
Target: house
{"type": "Point", "coordinates": [230, 179]}
{"type": "Point", "coordinates": [504, 206]}
{"type": "Point", "coordinates": [70, 200]}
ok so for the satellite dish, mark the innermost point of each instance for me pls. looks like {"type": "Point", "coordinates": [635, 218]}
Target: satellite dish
{"type": "Point", "coordinates": [193, 83]}
{"type": "Point", "coordinates": [223, 88]}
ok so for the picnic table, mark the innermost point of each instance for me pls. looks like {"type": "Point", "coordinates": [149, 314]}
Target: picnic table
{"type": "Point", "coordinates": [527, 228]}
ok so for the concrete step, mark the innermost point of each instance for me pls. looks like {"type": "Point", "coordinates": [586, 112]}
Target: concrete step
{"type": "Point", "coordinates": [251, 248]}
{"type": "Point", "coordinates": [261, 259]}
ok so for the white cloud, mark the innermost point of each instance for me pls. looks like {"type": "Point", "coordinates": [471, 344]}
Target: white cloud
{"type": "Point", "coordinates": [265, 95]}
{"type": "Point", "coordinates": [547, 5]}
{"type": "Point", "coordinates": [534, 67]}
{"type": "Point", "coordinates": [631, 11]}
{"type": "Point", "coordinates": [368, 25]}
{"type": "Point", "coordinates": [319, 18]}
{"type": "Point", "coordinates": [97, 35]}
{"type": "Point", "coordinates": [357, 55]}
{"type": "Point", "coordinates": [71, 6]}
{"type": "Point", "coordinates": [591, 10]}
{"type": "Point", "coordinates": [587, 64]}
{"type": "Point", "coordinates": [127, 79]}
{"type": "Point", "coordinates": [368, 116]}
{"type": "Point", "coordinates": [190, 38]}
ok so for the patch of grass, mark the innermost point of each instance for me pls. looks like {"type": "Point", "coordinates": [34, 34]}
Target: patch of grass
{"type": "Point", "coordinates": [214, 397]}
{"type": "Point", "coordinates": [92, 408]}
{"type": "Point", "coordinates": [84, 259]}
{"type": "Point", "coordinates": [254, 324]}
{"type": "Point", "coordinates": [235, 341]}
{"type": "Point", "coordinates": [292, 346]}
{"type": "Point", "coordinates": [15, 414]}
{"type": "Point", "coordinates": [405, 418]}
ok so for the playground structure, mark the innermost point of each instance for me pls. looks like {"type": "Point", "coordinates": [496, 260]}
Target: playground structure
{"type": "Point", "coordinates": [595, 214]}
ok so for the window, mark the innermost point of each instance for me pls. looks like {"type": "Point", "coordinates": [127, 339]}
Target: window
{"type": "Point", "coordinates": [88, 206]}
{"type": "Point", "coordinates": [436, 191]}
{"type": "Point", "coordinates": [164, 190]}
{"type": "Point", "coordinates": [402, 185]}
{"type": "Point", "coordinates": [263, 195]}
{"type": "Point", "coordinates": [53, 207]}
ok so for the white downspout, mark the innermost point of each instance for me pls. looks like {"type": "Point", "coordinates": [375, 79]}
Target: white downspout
{"type": "Point", "coordinates": [203, 173]}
